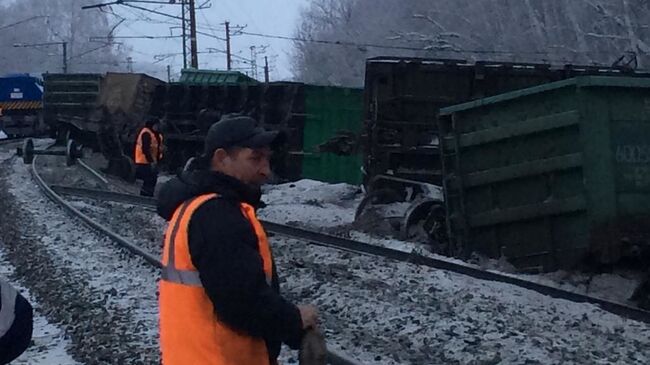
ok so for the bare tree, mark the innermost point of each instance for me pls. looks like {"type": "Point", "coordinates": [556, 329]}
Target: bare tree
{"type": "Point", "coordinates": [599, 32]}
{"type": "Point", "coordinates": [56, 21]}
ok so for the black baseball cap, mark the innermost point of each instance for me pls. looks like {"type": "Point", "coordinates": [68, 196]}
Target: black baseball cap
{"type": "Point", "coordinates": [240, 131]}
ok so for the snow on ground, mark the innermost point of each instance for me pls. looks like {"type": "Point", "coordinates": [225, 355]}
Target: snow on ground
{"type": "Point", "coordinates": [310, 203]}
{"type": "Point", "coordinates": [408, 314]}
{"type": "Point", "coordinates": [385, 312]}
{"type": "Point", "coordinates": [139, 225]}
{"type": "Point", "coordinates": [49, 343]}
{"type": "Point", "coordinates": [117, 311]}
{"type": "Point", "coordinates": [2, 134]}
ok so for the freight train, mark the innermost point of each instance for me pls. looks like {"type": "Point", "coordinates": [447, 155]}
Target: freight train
{"type": "Point", "coordinates": [105, 112]}
{"type": "Point", "coordinates": [387, 137]}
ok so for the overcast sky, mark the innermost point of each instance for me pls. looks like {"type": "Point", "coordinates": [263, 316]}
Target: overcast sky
{"type": "Point", "coordinates": [273, 17]}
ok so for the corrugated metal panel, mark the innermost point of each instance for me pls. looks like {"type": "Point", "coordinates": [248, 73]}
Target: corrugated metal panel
{"type": "Point", "coordinates": [403, 96]}
{"type": "Point", "coordinates": [214, 77]}
{"type": "Point", "coordinates": [546, 175]}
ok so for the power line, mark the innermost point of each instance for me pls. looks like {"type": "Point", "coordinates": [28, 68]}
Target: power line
{"type": "Point", "coordinates": [374, 45]}
{"type": "Point", "coordinates": [135, 37]}
{"type": "Point", "coordinates": [90, 51]}
{"type": "Point", "coordinates": [22, 21]}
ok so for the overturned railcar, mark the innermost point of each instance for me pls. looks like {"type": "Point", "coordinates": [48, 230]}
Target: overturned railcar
{"type": "Point", "coordinates": [103, 111]}
{"type": "Point", "coordinates": [550, 176]}
{"type": "Point", "coordinates": [401, 103]}
{"type": "Point", "coordinates": [310, 115]}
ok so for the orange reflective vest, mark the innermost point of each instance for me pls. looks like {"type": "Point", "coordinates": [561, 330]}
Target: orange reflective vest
{"type": "Point", "coordinates": [156, 147]}
{"type": "Point", "coordinates": [190, 330]}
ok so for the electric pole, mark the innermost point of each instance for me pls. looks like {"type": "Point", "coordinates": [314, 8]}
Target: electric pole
{"type": "Point", "coordinates": [228, 46]}
{"type": "Point", "coordinates": [195, 55]}
{"type": "Point", "coordinates": [169, 73]}
{"type": "Point", "coordinates": [266, 69]}
{"type": "Point", "coordinates": [253, 62]}
{"type": "Point", "coordinates": [129, 64]}
{"type": "Point", "coordinates": [65, 57]}
{"type": "Point", "coordinates": [63, 44]}
{"type": "Point", "coordinates": [184, 26]}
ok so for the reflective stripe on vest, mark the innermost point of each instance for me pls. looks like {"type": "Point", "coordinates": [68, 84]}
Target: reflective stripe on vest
{"type": "Point", "coordinates": [7, 313]}
{"type": "Point", "coordinates": [156, 147]}
{"type": "Point", "coordinates": [169, 271]}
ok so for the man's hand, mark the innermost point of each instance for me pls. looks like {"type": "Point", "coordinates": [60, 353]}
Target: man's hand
{"type": "Point", "coordinates": [309, 316]}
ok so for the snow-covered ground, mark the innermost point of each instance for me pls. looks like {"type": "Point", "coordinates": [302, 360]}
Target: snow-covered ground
{"type": "Point", "coordinates": [310, 203]}
{"type": "Point", "coordinates": [385, 312]}
{"type": "Point", "coordinates": [103, 297]}
{"type": "Point", "coordinates": [50, 345]}
{"type": "Point", "coordinates": [406, 314]}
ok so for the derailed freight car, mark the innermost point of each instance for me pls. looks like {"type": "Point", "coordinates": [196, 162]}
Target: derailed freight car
{"type": "Point", "coordinates": [310, 115]}
{"type": "Point", "coordinates": [550, 176]}
{"type": "Point", "coordinates": [403, 96]}
{"type": "Point", "coordinates": [103, 111]}
{"type": "Point", "coordinates": [401, 103]}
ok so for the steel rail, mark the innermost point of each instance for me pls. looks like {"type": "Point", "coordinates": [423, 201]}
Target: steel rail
{"type": "Point", "coordinates": [322, 239]}
{"type": "Point", "coordinates": [333, 358]}
{"type": "Point", "coordinates": [102, 229]}
{"type": "Point", "coordinates": [93, 172]}
{"type": "Point", "coordinates": [6, 141]}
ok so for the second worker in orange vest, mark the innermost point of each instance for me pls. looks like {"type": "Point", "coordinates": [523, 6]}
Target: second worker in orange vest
{"type": "Point", "coordinates": [219, 293]}
{"type": "Point", "coordinates": [147, 154]}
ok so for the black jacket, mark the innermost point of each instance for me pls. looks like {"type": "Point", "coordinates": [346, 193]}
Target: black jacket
{"type": "Point", "coordinates": [223, 247]}
{"type": "Point", "coordinates": [15, 338]}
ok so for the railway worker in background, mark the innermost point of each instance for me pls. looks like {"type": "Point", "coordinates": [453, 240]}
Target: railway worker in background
{"type": "Point", "coordinates": [147, 155]}
{"type": "Point", "coordinates": [219, 293]}
{"type": "Point", "coordinates": [15, 323]}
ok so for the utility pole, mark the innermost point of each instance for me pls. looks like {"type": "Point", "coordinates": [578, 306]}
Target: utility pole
{"type": "Point", "coordinates": [228, 61]}
{"type": "Point", "coordinates": [266, 69]}
{"type": "Point", "coordinates": [129, 64]}
{"type": "Point", "coordinates": [195, 55]}
{"type": "Point", "coordinates": [253, 62]}
{"type": "Point", "coordinates": [63, 44]}
{"type": "Point", "coordinates": [65, 57]}
{"type": "Point", "coordinates": [184, 26]}
{"type": "Point", "coordinates": [169, 73]}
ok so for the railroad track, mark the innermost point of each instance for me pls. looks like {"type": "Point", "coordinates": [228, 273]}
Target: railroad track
{"type": "Point", "coordinates": [321, 239]}
{"type": "Point", "coordinates": [54, 193]}
{"type": "Point", "coordinates": [7, 141]}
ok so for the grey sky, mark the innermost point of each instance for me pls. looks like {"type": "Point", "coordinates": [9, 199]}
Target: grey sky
{"type": "Point", "coordinates": [276, 17]}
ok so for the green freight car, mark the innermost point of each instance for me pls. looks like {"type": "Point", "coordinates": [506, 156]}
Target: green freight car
{"type": "Point", "coordinates": [311, 115]}
{"type": "Point", "coordinates": [332, 112]}
{"type": "Point", "coordinates": [403, 97]}
{"type": "Point", "coordinates": [550, 175]}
